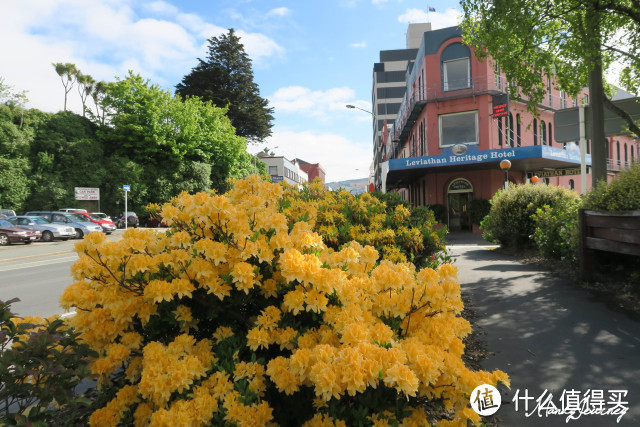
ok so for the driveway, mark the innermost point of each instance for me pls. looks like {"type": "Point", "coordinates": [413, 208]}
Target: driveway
{"type": "Point", "coordinates": [547, 334]}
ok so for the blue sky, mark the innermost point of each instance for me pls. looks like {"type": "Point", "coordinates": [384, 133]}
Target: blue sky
{"type": "Point", "coordinates": [310, 58]}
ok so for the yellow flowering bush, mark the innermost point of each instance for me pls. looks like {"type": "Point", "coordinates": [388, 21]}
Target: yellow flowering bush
{"type": "Point", "coordinates": [399, 233]}
{"type": "Point", "coordinates": [241, 315]}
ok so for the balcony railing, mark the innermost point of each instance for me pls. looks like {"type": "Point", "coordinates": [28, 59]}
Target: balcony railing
{"type": "Point", "coordinates": [617, 165]}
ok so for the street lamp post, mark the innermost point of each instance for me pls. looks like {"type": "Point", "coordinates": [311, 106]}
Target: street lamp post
{"type": "Point", "coordinates": [358, 108]}
{"type": "Point", "coordinates": [505, 165]}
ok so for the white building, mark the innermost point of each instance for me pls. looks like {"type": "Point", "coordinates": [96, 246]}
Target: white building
{"type": "Point", "coordinates": [282, 169]}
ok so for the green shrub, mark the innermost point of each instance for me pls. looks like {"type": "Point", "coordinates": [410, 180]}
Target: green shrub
{"type": "Point", "coordinates": [478, 209]}
{"type": "Point", "coordinates": [510, 220]}
{"type": "Point", "coordinates": [41, 363]}
{"type": "Point", "coordinates": [557, 231]}
{"type": "Point", "coordinates": [621, 194]}
{"type": "Point", "coordinates": [440, 211]}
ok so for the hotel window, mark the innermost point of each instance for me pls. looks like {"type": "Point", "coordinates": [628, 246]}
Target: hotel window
{"type": "Point", "coordinates": [550, 135]}
{"type": "Point", "coordinates": [510, 130]}
{"type": "Point", "coordinates": [456, 67]}
{"type": "Point", "coordinates": [543, 131]}
{"type": "Point", "coordinates": [618, 151]}
{"type": "Point", "coordinates": [458, 128]}
{"type": "Point", "coordinates": [575, 102]}
{"type": "Point", "coordinates": [518, 131]}
{"type": "Point", "coordinates": [632, 159]}
{"type": "Point", "coordinates": [549, 91]}
{"type": "Point", "coordinates": [498, 78]}
{"type": "Point", "coordinates": [273, 170]}
{"type": "Point", "coordinates": [585, 100]}
{"type": "Point", "coordinates": [535, 131]}
{"type": "Point", "coordinates": [572, 185]}
{"type": "Point", "coordinates": [626, 158]}
{"type": "Point", "coordinates": [500, 131]}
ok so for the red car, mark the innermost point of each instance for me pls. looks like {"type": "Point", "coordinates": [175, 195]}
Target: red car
{"type": "Point", "coordinates": [108, 227]}
{"type": "Point", "coordinates": [10, 234]}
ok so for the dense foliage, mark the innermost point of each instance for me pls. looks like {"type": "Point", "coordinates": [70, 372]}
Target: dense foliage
{"type": "Point", "coordinates": [241, 315]}
{"type": "Point", "coordinates": [225, 78]}
{"type": "Point", "coordinates": [396, 230]}
{"type": "Point", "coordinates": [556, 232]}
{"type": "Point", "coordinates": [623, 193]}
{"type": "Point", "coordinates": [41, 363]}
{"type": "Point", "coordinates": [153, 141]}
{"type": "Point", "coordinates": [510, 221]}
{"type": "Point", "coordinates": [478, 209]}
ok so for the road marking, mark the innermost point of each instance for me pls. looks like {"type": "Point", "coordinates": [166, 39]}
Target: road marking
{"type": "Point", "coordinates": [37, 263]}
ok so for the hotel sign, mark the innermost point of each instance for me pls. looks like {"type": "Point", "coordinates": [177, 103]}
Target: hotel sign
{"type": "Point", "coordinates": [481, 156]}
{"type": "Point", "coordinates": [500, 105]}
{"type": "Point", "coordinates": [556, 172]}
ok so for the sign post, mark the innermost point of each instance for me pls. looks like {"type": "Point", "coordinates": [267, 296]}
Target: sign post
{"type": "Point", "coordinates": [126, 189]}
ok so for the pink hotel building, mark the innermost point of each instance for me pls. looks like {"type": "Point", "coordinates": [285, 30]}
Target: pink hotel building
{"type": "Point", "coordinates": [436, 140]}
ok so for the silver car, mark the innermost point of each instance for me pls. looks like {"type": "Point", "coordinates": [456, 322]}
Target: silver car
{"type": "Point", "coordinates": [81, 227]}
{"type": "Point", "coordinates": [50, 231]}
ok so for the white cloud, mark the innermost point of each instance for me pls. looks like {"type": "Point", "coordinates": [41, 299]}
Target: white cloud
{"type": "Point", "coordinates": [358, 44]}
{"type": "Point", "coordinates": [451, 17]}
{"type": "Point", "coordinates": [279, 11]}
{"type": "Point", "coordinates": [260, 47]}
{"type": "Point", "coordinates": [322, 148]}
{"type": "Point", "coordinates": [318, 103]}
{"type": "Point", "coordinates": [162, 7]}
{"type": "Point", "coordinates": [105, 39]}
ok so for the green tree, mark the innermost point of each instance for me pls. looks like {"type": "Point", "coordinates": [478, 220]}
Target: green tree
{"type": "Point", "coordinates": [67, 73]}
{"type": "Point", "coordinates": [86, 84]}
{"type": "Point", "coordinates": [65, 153]}
{"type": "Point", "coordinates": [225, 78]}
{"type": "Point", "coordinates": [575, 40]}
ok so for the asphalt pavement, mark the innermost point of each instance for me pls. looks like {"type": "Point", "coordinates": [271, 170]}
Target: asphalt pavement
{"type": "Point", "coordinates": [562, 348]}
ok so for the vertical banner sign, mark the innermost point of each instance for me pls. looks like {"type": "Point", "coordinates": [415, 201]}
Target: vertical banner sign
{"type": "Point", "coordinates": [126, 189]}
{"type": "Point", "coordinates": [500, 105]}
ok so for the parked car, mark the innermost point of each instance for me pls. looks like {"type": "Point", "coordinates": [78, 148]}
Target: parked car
{"type": "Point", "coordinates": [81, 225]}
{"type": "Point", "coordinates": [132, 219]}
{"type": "Point", "coordinates": [49, 230]}
{"type": "Point", "coordinates": [10, 234]}
{"type": "Point", "coordinates": [72, 210]}
{"type": "Point", "coordinates": [102, 215]}
{"type": "Point", "coordinates": [7, 212]}
{"type": "Point", "coordinates": [108, 227]}
{"type": "Point", "coordinates": [154, 222]}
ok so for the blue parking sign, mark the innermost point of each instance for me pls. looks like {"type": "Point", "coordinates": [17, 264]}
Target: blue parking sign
{"type": "Point", "coordinates": [126, 187]}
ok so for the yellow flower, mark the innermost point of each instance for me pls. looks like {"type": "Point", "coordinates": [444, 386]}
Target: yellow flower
{"type": "Point", "coordinates": [243, 276]}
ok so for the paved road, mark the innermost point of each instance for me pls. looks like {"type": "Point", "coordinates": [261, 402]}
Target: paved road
{"type": "Point", "coordinates": [37, 274]}
{"type": "Point", "coordinates": [548, 334]}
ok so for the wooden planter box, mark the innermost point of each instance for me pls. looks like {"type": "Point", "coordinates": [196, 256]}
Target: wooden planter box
{"type": "Point", "coordinates": [609, 231]}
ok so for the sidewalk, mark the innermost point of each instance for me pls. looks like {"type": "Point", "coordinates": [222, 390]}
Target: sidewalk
{"type": "Point", "coordinates": [547, 334]}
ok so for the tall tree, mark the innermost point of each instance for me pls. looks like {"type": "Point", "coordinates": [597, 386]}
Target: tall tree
{"type": "Point", "coordinates": [225, 78]}
{"type": "Point", "coordinates": [578, 41]}
{"type": "Point", "coordinates": [86, 84]}
{"type": "Point", "coordinates": [67, 73]}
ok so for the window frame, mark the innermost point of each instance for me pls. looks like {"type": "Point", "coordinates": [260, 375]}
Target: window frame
{"type": "Point", "coordinates": [445, 75]}
{"type": "Point", "coordinates": [460, 113]}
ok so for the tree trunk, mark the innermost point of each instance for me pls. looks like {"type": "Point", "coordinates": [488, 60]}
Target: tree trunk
{"type": "Point", "coordinates": [596, 99]}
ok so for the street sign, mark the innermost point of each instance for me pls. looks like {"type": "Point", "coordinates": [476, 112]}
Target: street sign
{"type": "Point", "coordinates": [566, 121]}
{"type": "Point", "coordinates": [126, 187]}
{"type": "Point", "coordinates": [83, 193]}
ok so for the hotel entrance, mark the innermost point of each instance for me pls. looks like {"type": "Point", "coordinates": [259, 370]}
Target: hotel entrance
{"type": "Point", "coordinates": [459, 194]}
